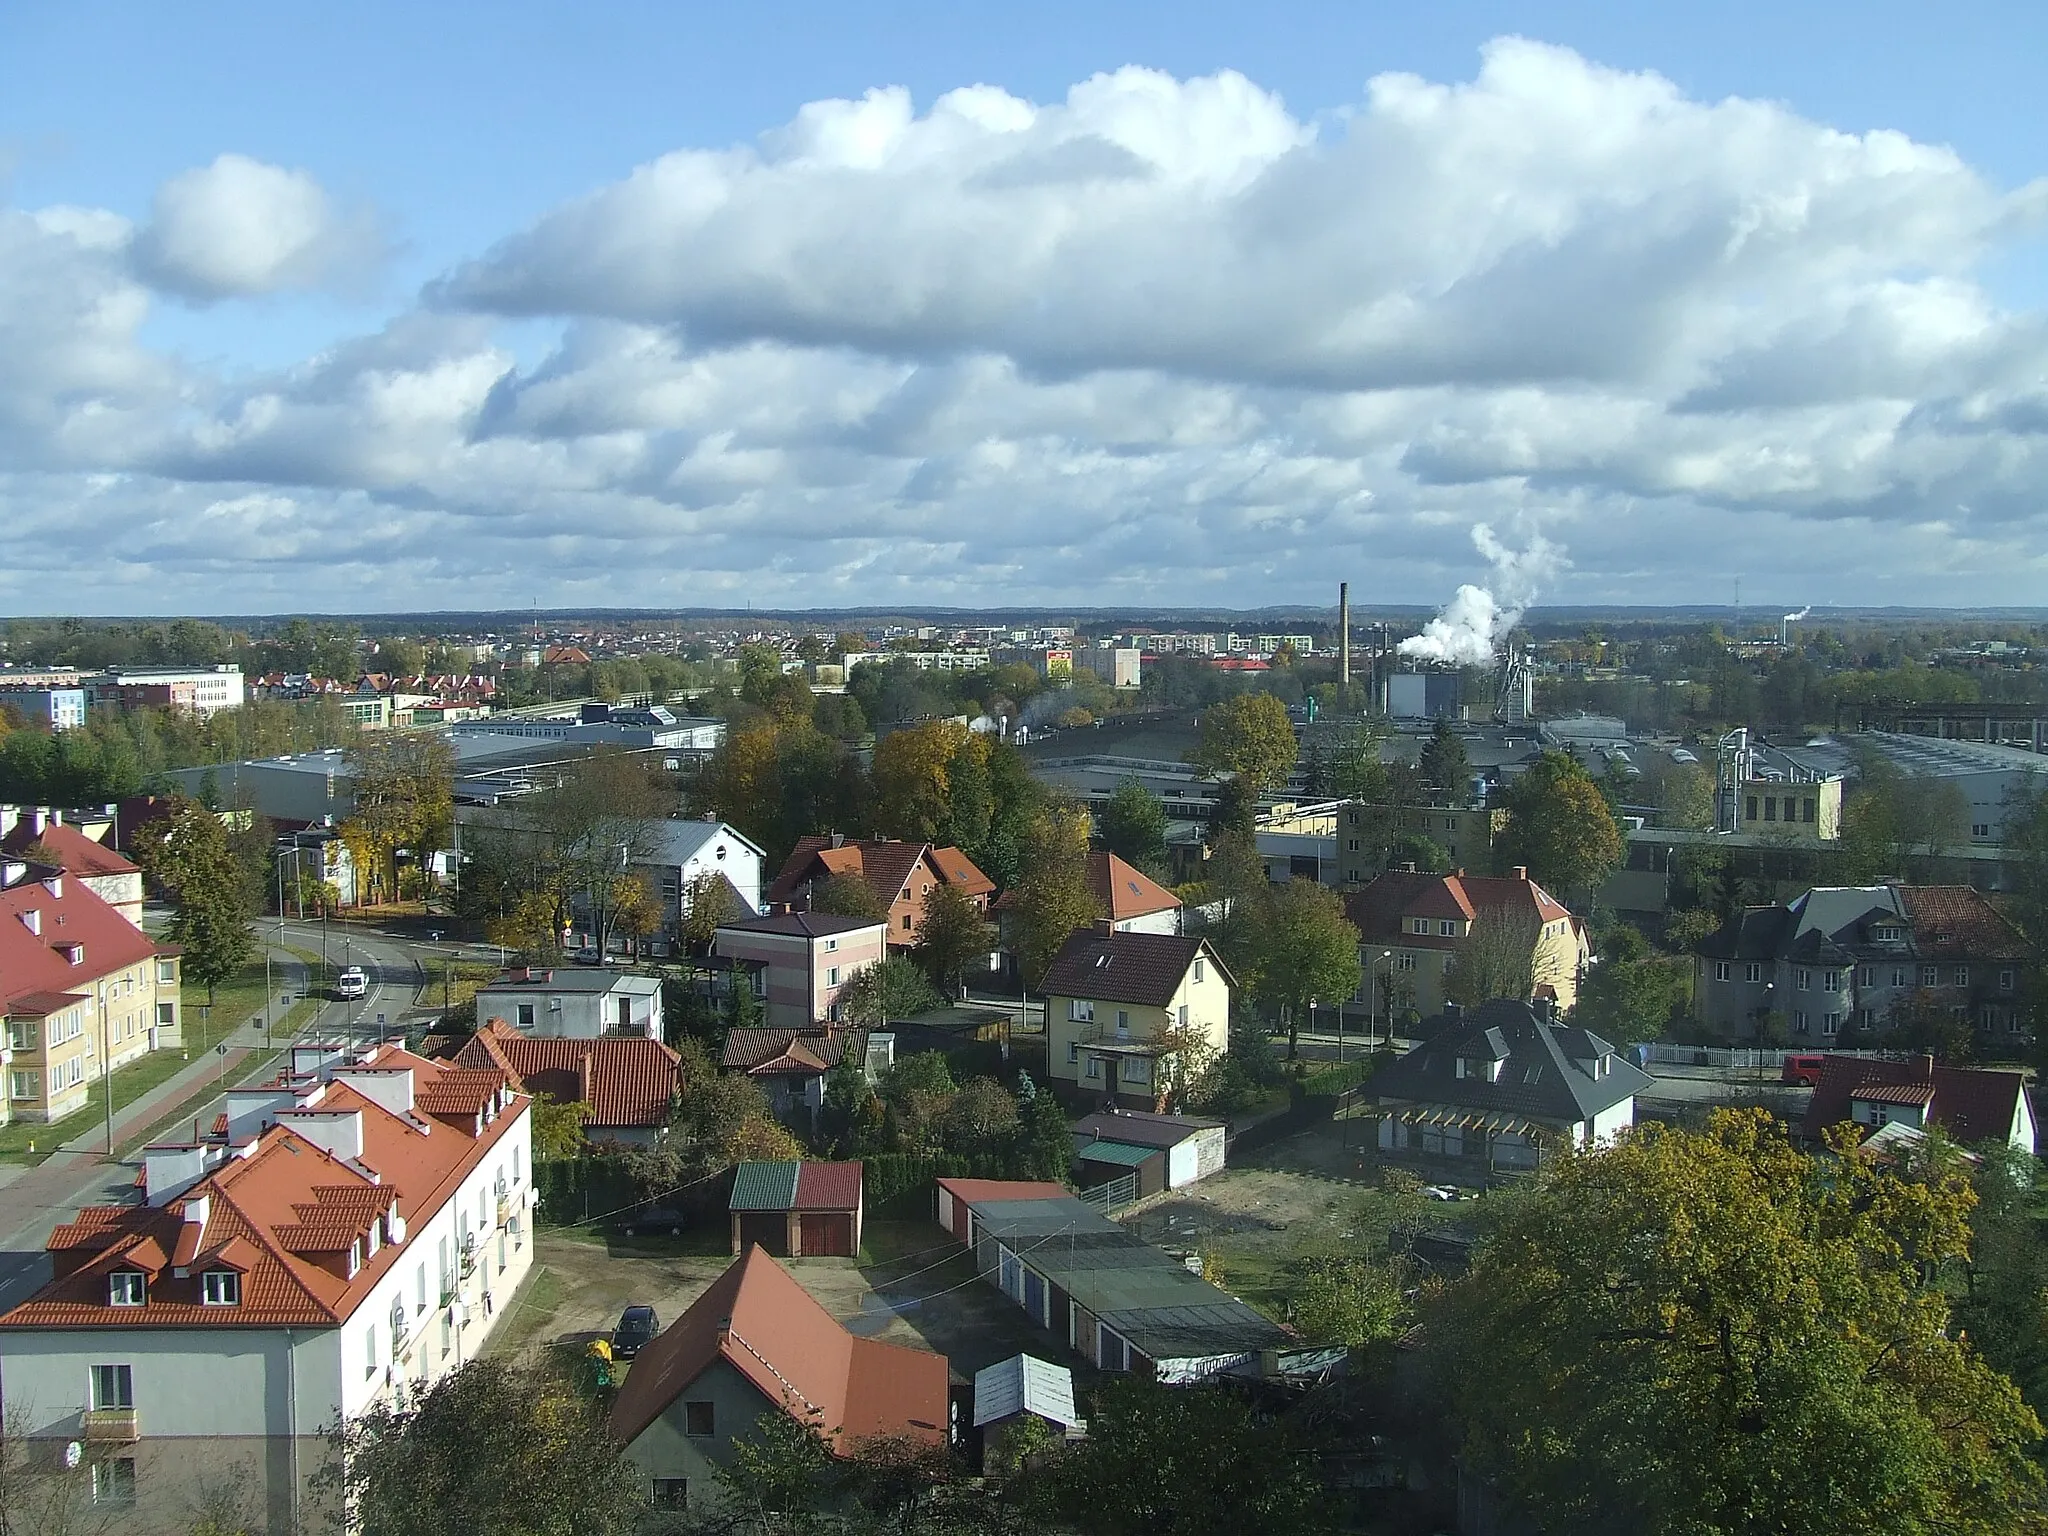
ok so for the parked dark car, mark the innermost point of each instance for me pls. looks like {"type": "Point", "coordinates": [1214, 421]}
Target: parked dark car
{"type": "Point", "coordinates": [637, 1328]}
{"type": "Point", "coordinates": [652, 1220]}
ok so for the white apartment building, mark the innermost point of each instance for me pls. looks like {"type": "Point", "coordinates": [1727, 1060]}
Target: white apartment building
{"type": "Point", "coordinates": [351, 1237]}
{"type": "Point", "coordinates": [212, 688]}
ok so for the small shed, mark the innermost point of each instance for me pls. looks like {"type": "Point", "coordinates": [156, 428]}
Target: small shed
{"type": "Point", "coordinates": [1100, 1162]}
{"type": "Point", "coordinates": [797, 1210]}
{"type": "Point", "coordinates": [1021, 1387]}
{"type": "Point", "coordinates": [1117, 1142]}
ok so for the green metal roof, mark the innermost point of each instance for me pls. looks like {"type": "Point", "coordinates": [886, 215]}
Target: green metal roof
{"type": "Point", "coordinates": [764, 1186]}
{"type": "Point", "coordinates": [1119, 1152]}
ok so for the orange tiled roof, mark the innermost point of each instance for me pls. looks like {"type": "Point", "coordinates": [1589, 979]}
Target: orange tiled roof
{"type": "Point", "coordinates": [79, 854]}
{"type": "Point", "coordinates": [34, 961]}
{"type": "Point", "coordinates": [284, 1213]}
{"type": "Point", "coordinates": [628, 1081]}
{"type": "Point", "coordinates": [760, 1321]}
{"type": "Point", "coordinates": [1125, 891]}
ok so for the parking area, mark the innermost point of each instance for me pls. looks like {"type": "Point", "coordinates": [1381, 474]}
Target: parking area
{"type": "Point", "coordinates": [911, 1286]}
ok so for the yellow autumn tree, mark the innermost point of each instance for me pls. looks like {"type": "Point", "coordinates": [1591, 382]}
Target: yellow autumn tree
{"type": "Point", "coordinates": [913, 777]}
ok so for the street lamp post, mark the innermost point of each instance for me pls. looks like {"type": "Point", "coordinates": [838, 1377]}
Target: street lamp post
{"type": "Point", "coordinates": [107, 1066]}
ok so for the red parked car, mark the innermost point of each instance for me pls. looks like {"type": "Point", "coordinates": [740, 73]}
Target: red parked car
{"type": "Point", "coordinates": [1803, 1070]}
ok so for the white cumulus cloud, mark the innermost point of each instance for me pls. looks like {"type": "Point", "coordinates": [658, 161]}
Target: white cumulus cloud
{"type": "Point", "coordinates": [239, 226]}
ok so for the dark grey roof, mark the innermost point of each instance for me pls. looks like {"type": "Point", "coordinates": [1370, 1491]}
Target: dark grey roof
{"type": "Point", "coordinates": [1547, 1070]}
{"type": "Point", "coordinates": [1142, 1129]}
{"type": "Point", "coordinates": [805, 925]}
{"type": "Point", "coordinates": [1166, 1312]}
{"type": "Point", "coordinates": [1142, 968]}
{"type": "Point", "coordinates": [1824, 925]}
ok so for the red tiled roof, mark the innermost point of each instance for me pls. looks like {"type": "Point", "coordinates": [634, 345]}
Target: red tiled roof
{"type": "Point", "coordinates": [1956, 922]}
{"type": "Point", "coordinates": [1125, 891]}
{"type": "Point", "coordinates": [760, 1321]}
{"type": "Point", "coordinates": [1378, 910]}
{"type": "Point", "coordinates": [284, 1191]}
{"type": "Point", "coordinates": [1894, 1093]}
{"type": "Point", "coordinates": [628, 1081]}
{"type": "Point", "coordinates": [40, 1005]}
{"type": "Point", "coordinates": [956, 869]}
{"type": "Point", "coordinates": [34, 964]}
{"type": "Point", "coordinates": [827, 1187]}
{"type": "Point", "coordinates": [787, 1050]}
{"type": "Point", "coordinates": [977, 1191]}
{"type": "Point", "coordinates": [1969, 1103]}
{"type": "Point", "coordinates": [79, 854]}
{"type": "Point", "coordinates": [884, 863]}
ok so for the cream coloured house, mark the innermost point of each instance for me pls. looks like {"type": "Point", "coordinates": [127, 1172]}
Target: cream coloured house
{"type": "Point", "coordinates": [1120, 1005]}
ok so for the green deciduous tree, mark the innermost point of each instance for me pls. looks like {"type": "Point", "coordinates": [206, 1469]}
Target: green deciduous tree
{"type": "Point", "coordinates": [848, 895]}
{"type": "Point", "coordinates": [1133, 826]}
{"type": "Point", "coordinates": [1559, 825]}
{"type": "Point", "coordinates": [953, 932]}
{"type": "Point", "coordinates": [1711, 1332]}
{"type": "Point", "coordinates": [1183, 1461]}
{"type": "Point", "coordinates": [1305, 949]}
{"type": "Point", "coordinates": [490, 1447]}
{"type": "Point", "coordinates": [1248, 737]}
{"type": "Point", "coordinates": [187, 853]}
{"type": "Point", "coordinates": [891, 988]}
{"type": "Point", "coordinates": [1053, 897]}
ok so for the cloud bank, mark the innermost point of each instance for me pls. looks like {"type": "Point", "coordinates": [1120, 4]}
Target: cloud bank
{"type": "Point", "coordinates": [1163, 341]}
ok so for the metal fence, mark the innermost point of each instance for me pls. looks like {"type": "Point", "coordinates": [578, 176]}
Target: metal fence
{"type": "Point", "coordinates": [1116, 1195]}
{"type": "Point", "coordinates": [1750, 1058]}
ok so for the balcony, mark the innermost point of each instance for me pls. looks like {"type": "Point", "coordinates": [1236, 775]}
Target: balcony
{"type": "Point", "coordinates": [111, 1426]}
{"type": "Point", "coordinates": [1104, 1036]}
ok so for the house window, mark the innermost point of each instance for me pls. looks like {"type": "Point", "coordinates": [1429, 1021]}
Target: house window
{"type": "Point", "coordinates": [1866, 976]}
{"type": "Point", "coordinates": [1805, 979]}
{"type": "Point", "coordinates": [2005, 981]}
{"type": "Point", "coordinates": [1404, 961]}
{"type": "Point", "coordinates": [1756, 972]}
{"type": "Point", "coordinates": [1807, 809]}
{"type": "Point", "coordinates": [671, 1493]}
{"type": "Point", "coordinates": [223, 1288]}
{"type": "Point", "coordinates": [1199, 973]}
{"type": "Point", "coordinates": [1930, 975]}
{"type": "Point", "coordinates": [1830, 1023]}
{"type": "Point", "coordinates": [126, 1288]}
{"type": "Point", "coordinates": [1094, 1066]}
{"type": "Point", "coordinates": [113, 1386]}
{"type": "Point", "coordinates": [1446, 929]}
{"type": "Point", "coordinates": [1113, 1350]}
{"type": "Point", "coordinates": [1080, 1010]}
{"type": "Point", "coordinates": [166, 1014]}
{"type": "Point", "coordinates": [1181, 1018]}
{"type": "Point", "coordinates": [1123, 1021]}
{"type": "Point", "coordinates": [24, 1085]}
{"type": "Point", "coordinates": [1799, 1023]}
{"type": "Point", "coordinates": [831, 975]}
{"type": "Point", "coordinates": [370, 1351]}
{"type": "Point", "coordinates": [1831, 981]}
{"type": "Point", "coordinates": [526, 1015]}
{"type": "Point", "coordinates": [1770, 807]}
{"type": "Point", "coordinates": [1749, 813]}
{"type": "Point", "coordinates": [699, 1419]}
{"type": "Point", "coordinates": [1720, 970]}
{"type": "Point", "coordinates": [1980, 829]}
{"type": "Point", "coordinates": [167, 971]}
{"type": "Point", "coordinates": [1351, 845]}
{"type": "Point", "coordinates": [113, 1482]}
{"type": "Point", "coordinates": [1450, 961]}
{"type": "Point", "coordinates": [1073, 1053]}
{"type": "Point", "coordinates": [1960, 976]}
{"type": "Point", "coordinates": [831, 945]}
{"type": "Point", "coordinates": [1898, 975]}
{"type": "Point", "coordinates": [906, 922]}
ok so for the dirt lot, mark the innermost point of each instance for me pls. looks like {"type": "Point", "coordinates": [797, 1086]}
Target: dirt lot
{"type": "Point", "coordinates": [1316, 1194]}
{"type": "Point", "coordinates": [912, 1286]}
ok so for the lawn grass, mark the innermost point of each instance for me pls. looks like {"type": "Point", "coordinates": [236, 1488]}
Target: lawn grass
{"type": "Point", "coordinates": [536, 1302]}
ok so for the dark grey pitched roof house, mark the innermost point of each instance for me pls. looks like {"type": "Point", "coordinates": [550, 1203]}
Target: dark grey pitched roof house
{"type": "Point", "coordinates": [1502, 1082]}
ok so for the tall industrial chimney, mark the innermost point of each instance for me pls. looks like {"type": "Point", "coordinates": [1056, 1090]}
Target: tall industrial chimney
{"type": "Point", "coordinates": [1344, 635]}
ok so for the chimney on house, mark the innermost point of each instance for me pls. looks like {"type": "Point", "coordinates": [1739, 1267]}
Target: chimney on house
{"type": "Point", "coordinates": [1923, 1068]}
{"type": "Point", "coordinates": [1519, 872]}
{"type": "Point", "coordinates": [1344, 633]}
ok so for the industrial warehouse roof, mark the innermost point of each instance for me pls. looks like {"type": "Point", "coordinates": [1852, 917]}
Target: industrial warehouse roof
{"type": "Point", "coordinates": [1146, 1295]}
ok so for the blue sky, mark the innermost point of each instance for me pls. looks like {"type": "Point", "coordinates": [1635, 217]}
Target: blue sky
{"type": "Point", "coordinates": [445, 150]}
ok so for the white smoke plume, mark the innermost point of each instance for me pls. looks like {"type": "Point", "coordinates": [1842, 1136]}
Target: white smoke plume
{"type": "Point", "coordinates": [1469, 628]}
{"type": "Point", "coordinates": [1794, 618]}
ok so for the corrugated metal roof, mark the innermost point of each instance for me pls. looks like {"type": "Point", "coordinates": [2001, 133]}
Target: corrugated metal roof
{"type": "Point", "coordinates": [764, 1186]}
{"type": "Point", "coordinates": [1121, 1153]}
{"type": "Point", "coordinates": [1024, 1384]}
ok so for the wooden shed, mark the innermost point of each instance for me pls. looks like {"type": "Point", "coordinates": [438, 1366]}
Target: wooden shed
{"type": "Point", "coordinates": [797, 1210]}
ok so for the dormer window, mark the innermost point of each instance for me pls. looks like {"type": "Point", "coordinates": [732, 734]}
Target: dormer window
{"type": "Point", "coordinates": [355, 1257]}
{"type": "Point", "coordinates": [1474, 1068]}
{"type": "Point", "coordinates": [220, 1288]}
{"type": "Point", "coordinates": [73, 954]}
{"type": "Point", "coordinates": [127, 1288]}
{"type": "Point", "coordinates": [32, 920]}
